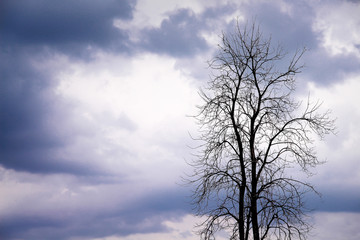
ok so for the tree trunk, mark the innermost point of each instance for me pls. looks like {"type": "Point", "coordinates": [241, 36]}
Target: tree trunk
{"type": "Point", "coordinates": [241, 214]}
{"type": "Point", "coordinates": [253, 208]}
{"type": "Point", "coordinates": [254, 214]}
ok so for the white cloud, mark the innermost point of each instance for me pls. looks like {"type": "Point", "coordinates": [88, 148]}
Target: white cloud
{"type": "Point", "coordinates": [341, 150]}
{"type": "Point", "coordinates": [326, 226]}
{"type": "Point", "coordinates": [177, 229]}
{"type": "Point", "coordinates": [147, 93]}
{"type": "Point", "coordinates": [335, 226]}
{"type": "Point", "coordinates": [60, 196]}
{"type": "Point", "coordinates": [339, 27]}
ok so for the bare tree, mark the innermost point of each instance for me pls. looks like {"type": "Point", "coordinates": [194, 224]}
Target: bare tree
{"type": "Point", "coordinates": [252, 130]}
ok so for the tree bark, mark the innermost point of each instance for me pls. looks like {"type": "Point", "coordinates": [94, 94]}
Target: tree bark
{"type": "Point", "coordinates": [254, 210]}
{"type": "Point", "coordinates": [241, 213]}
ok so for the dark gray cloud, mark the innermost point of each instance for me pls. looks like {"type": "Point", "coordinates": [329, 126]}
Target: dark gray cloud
{"type": "Point", "coordinates": [344, 199]}
{"type": "Point", "coordinates": [178, 36]}
{"type": "Point", "coordinates": [291, 30]}
{"type": "Point", "coordinates": [20, 227]}
{"type": "Point", "coordinates": [24, 107]}
{"type": "Point", "coordinates": [70, 26]}
{"type": "Point", "coordinates": [324, 69]}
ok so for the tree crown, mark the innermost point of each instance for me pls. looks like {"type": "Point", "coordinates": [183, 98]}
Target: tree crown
{"type": "Point", "coordinates": [252, 130]}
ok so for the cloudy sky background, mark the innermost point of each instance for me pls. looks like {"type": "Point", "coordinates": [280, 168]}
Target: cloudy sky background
{"type": "Point", "coordinates": [94, 98]}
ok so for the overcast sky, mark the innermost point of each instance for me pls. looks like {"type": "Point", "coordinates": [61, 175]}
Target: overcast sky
{"type": "Point", "coordinates": [94, 99]}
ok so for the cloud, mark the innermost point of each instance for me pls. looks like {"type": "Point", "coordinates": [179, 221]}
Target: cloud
{"type": "Point", "coordinates": [123, 146]}
{"type": "Point", "coordinates": [340, 150]}
{"type": "Point", "coordinates": [36, 124]}
{"type": "Point", "coordinates": [177, 228]}
{"type": "Point", "coordinates": [308, 24]}
{"type": "Point", "coordinates": [334, 25]}
{"type": "Point", "coordinates": [67, 26]}
{"type": "Point", "coordinates": [338, 27]}
{"type": "Point", "coordinates": [153, 95]}
{"type": "Point", "coordinates": [342, 225]}
{"type": "Point", "coordinates": [182, 29]}
{"type": "Point", "coordinates": [178, 35]}
{"type": "Point", "coordinates": [64, 206]}
{"type": "Point", "coordinates": [288, 24]}
{"type": "Point", "coordinates": [70, 125]}
{"type": "Point", "coordinates": [24, 132]}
